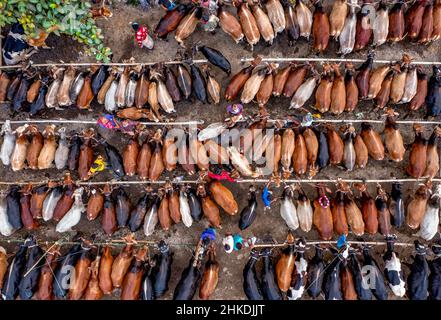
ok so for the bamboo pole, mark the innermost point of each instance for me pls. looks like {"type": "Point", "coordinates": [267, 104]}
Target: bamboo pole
{"type": "Point", "coordinates": [371, 243]}
{"type": "Point", "coordinates": [199, 122]}
{"type": "Point", "coordinates": [177, 123]}
{"type": "Point", "coordinates": [424, 122]}
{"type": "Point", "coordinates": [122, 242]}
{"type": "Point", "coordinates": [337, 180]}
{"type": "Point", "coordinates": [299, 59]}
{"type": "Point", "coordinates": [87, 64]}
{"type": "Point", "coordinates": [250, 181]}
{"type": "Point", "coordinates": [1, 47]}
{"type": "Point", "coordinates": [110, 242]}
{"type": "Point", "coordinates": [323, 120]}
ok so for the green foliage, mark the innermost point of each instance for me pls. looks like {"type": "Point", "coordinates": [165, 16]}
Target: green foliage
{"type": "Point", "coordinates": [69, 17]}
{"type": "Point", "coordinates": [133, 2]}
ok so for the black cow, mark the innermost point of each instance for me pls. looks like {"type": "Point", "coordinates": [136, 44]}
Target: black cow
{"type": "Point", "coordinates": [16, 48]}
{"type": "Point", "coordinates": [435, 273]}
{"type": "Point", "coordinates": [418, 279]}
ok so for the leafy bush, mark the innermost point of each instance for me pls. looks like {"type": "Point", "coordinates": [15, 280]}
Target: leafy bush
{"type": "Point", "coordinates": [69, 17]}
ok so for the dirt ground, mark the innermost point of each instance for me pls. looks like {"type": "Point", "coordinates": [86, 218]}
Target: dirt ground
{"type": "Point", "coordinates": [119, 37]}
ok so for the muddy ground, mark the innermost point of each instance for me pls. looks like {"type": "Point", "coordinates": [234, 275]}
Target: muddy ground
{"type": "Point", "coordinates": [119, 37]}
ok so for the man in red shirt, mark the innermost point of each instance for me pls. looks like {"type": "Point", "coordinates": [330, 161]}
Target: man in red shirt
{"type": "Point", "coordinates": [142, 36]}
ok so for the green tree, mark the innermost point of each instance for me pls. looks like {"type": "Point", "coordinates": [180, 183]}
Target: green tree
{"type": "Point", "coordinates": [69, 17]}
